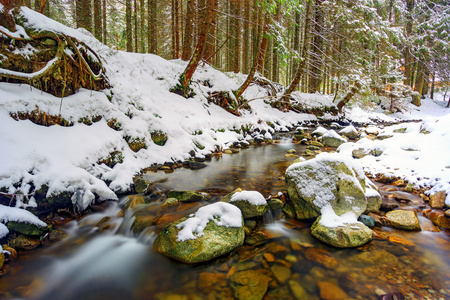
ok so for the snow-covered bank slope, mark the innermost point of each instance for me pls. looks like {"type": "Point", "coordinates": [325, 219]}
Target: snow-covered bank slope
{"type": "Point", "coordinates": [139, 103]}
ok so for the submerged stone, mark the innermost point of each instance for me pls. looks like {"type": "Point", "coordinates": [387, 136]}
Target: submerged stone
{"type": "Point", "coordinates": [249, 285]}
{"type": "Point", "coordinates": [347, 236]}
{"type": "Point", "coordinates": [23, 242]}
{"type": "Point", "coordinates": [189, 196]}
{"type": "Point", "coordinates": [403, 219]}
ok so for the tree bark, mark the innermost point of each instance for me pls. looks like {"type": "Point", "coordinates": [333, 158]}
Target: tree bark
{"type": "Point", "coordinates": [246, 38]}
{"type": "Point", "coordinates": [418, 87]}
{"type": "Point", "coordinates": [104, 31]}
{"type": "Point", "coordinates": [237, 34]}
{"type": "Point", "coordinates": [152, 27]}
{"type": "Point", "coordinates": [316, 45]}
{"type": "Point", "coordinates": [294, 84]}
{"type": "Point", "coordinates": [136, 28]}
{"type": "Point", "coordinates": [97, 19]}
{"type": "Point", "coordinates": [208, 12]}
{"type": "Point", "coordinates": [142, 26]}
{"type": "Point", "coordinates": [188, 30]}
{"type": "Point", "coordinates": [407, 52]}
{"type": "Point", "coordinates": [258, 62]}
{"type": "Point", "coordinates": [84, 14]}
{"type": "Point", "coordinates": [128, 24]}
{"type": "Point", "coordinates": [349, 95]}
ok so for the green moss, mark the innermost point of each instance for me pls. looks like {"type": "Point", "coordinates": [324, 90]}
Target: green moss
{"type": "Point", "coordinates": [159, 138]}
{"type": "Point", "coordinates": [135, 143]}
{"type": "Point", "coordinates": [113, 159]}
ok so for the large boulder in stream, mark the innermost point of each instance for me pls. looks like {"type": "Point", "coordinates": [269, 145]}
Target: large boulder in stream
{"type": "Point", "coordinates": [325, 180]}
{"type": "Point", "coordinates": [214, 230]}
{"type": "Point", "coordinates": [332, 139]}
{"type": "Point", "coordinates": [251, 203]}
{"type": "Point", "coordinates": [341, 231]}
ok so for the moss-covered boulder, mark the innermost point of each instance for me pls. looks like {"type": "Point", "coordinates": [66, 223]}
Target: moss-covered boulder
{"type": "Point", "coordinates": [189, 196]}
{"type": "Point", "coordinates": [251, 203]}
{"type": "Point", "coordinates": [332, 139]}
{"type": "Point", "coordinates": [326, 179]}
{"type": "Point", "coordinates": [214, 230]}
{"type": "Point", "coordinates": [343, 236]}
{"type": "Point", "coordinates": [142, 186]}
{"type": "Point", "coordinates": [23, 242]}
{"type": "Point", "coordinates": [28, 228]}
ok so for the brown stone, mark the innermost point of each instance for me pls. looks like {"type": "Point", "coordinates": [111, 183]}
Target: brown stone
{"type": "Point", "coordinates": [439, 219]}
{"type": "Point", "coordinates": [207, 280]}
{"type": "Point", "coordinates": [400, 241]}
{"type": "Point", "coordinates": [378, 219]}
{"type": "Point", "coordinates": [281, 273]}
{"type": "Point", "coordinates": [134, 200]}
{"type": "Point", "coordinates": [12, 251]}
{"type": "Point", "coordinates": [269, 257]}
{"type": "Point", "coordinates": [447, 213]}
{"type": "Point", "coordinates": [330, 291]}
{"type": "Point", "coordinates": [403, 219]}
{"type": "Point", "coordinates": [399, 182]}
{"type": "Point", "coordinates": [249, 285]}
{"type": "Point", "coordinates": [322, 257]}
{"type": "Point", "coordinates": [438, 200]}
{"type": "Point", "coordinates": [165, 219]}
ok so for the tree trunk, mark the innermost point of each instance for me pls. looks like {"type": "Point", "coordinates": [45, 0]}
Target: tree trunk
{"type": "Point", "coordinates": [208, 12]}
{"type": "Point", "coordinates": [316, 45]}
{"type": "Point", "coordinates": [188, 30]}
{"type": "Point", "coordinates": [152, 27]}
{"type": "Point", "coordinates": [433, 79]}
{"type": "Point", "coordinates": [210, 44]}
{"type": "Point", "coordinates": [136, 28]}
{"type": "Point", "coordinates": [83, 14]}
{"type": "Point", "coordinates": [104, 31]}
{"type": "Point", "coordinates": [142, 26]}
{"type": "Point", "coordinates": [294, 84]}
{"type": "Point", "coordinates": [407, 53]}
{"type": "Point", "coordinates": [246, 38]}
{"type": "Point", "coordinates": [258, 61]}
{"type": "Point", "coordinates": [237, 35]}
{"type": "Point", "coordinates": [98, 19]}
{"type": "Point", "coordinates": [349, 95]}
{"type": "Point", "coordinates": [418, 87]}
{"type": "Point", "coordinates": [275, 56]}
{"type": "Point", "coordinates": [129, 30]}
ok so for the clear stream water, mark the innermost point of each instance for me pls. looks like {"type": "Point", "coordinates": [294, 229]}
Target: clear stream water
{"type": "Point", "coordinates": [116, 264]}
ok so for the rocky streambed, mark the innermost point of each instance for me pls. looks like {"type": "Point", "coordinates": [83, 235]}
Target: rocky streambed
{"type": "Point", "coordinates": [277, 250]}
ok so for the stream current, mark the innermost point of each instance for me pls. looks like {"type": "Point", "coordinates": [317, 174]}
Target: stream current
{"type": "Point", "coordinates": [113, 263]}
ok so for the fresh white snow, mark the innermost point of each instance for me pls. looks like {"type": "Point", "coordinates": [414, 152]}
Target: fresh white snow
{"type": "Point", "coordinates": [253, 197]}
{"type": "Point", "coordinates": [330, 219]}
{"type": "Point", "coordinates": [221, 213]}
{"type": "Point", "coordinates": [9, 214]}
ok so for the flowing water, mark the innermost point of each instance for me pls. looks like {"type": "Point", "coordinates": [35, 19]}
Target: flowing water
{"type": "Point", "coordinates": [108, 261]}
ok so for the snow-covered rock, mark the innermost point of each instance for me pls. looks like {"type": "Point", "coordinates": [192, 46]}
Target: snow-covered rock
{"type": "Point", "coordinates": [214, 230]}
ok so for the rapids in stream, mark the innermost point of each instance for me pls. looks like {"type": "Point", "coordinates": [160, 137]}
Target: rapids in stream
{"type": "Point", "coordinates": [112, 262]}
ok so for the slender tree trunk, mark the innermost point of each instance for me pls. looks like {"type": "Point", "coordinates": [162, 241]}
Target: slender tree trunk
{"type": "Point", "coordinates": [136, 28]}
{"type": "Point", "coordinates": [237, 34]}
{"type": "Point", "coordinates": [258, 61]}
{"type": "Point", "coordinates": [208, 12]}
{"type": "Point", "coordinates": [407, 52]}
{"type": "Point", "coordinates": [128, 24]}
{"type": "Point", "coordinates": [275, 57]}
{"type": "Point", "coordinates": [349, 95]}
{"type": "Point", "coordinates": [433, 79]}
{"type": "Point", "coordinates": [152, 27]}
{"type": "Point", "coordinates": [142, 25]}
{"type": "Point", "coordinates": [98, 19]}
{"type": "Point", "coordinates": [445, 94]}
{"type": "Point", "coordinates": [299, 72]}
{"type": "Point", "coordinates": [418, 87]}
{"type": "Point", "coordinates": [210, 44]}
{"type": "Point", "coordinates": [246, 38]}
{"type": "Point", "coordinates": [104, 18]}
{"type": "Point", "coordinates": [188, 30]}
{"type": "Point", "coordinates": [84, 14]}
{"type": "Point", "coordinates": [316, 45]}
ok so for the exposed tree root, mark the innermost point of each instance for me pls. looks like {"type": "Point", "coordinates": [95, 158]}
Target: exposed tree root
{"type": "Point", "coordinates": [54, 63]}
